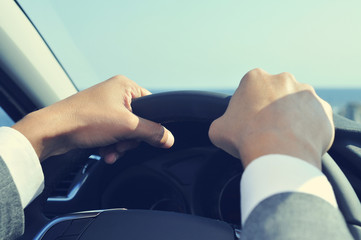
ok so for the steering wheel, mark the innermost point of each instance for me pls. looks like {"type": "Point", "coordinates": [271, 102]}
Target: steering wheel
{"type": "Point", "coordinates": [205, 107]}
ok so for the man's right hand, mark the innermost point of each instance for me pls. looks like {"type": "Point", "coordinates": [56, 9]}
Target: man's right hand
{"type": "Point", "coordinates": [274, 114]}
{"type": "Point", "coordinates": [100, 116]}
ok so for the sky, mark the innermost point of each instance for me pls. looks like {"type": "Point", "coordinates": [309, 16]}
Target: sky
{"type": "Point", "coordinates": [198, 44]}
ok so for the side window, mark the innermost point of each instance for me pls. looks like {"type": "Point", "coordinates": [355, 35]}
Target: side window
{"type": "Point", "coordinates": [5, 120]}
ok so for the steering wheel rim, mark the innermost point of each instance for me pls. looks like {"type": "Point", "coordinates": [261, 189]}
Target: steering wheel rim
{"type": "Point", "coordinates": [181, 106]}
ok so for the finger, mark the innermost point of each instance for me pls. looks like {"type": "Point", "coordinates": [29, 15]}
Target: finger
{"type": "Point", "coordinates": [109, 154]}
{"type": "Point", "coordinates": [136, 90]}
{"type": "Point", "coordinates": [113, 152]}
{"type": "Point", "coordinates": [144, 92]}
{"type": "Point", "coordinates": [124, 146]}
{"type": "Point", "coordinates": [257, 74]}
{"type": "Point", "coordinates": [152, 133]}
{"type": "Point", "coordinates": [112, 157]}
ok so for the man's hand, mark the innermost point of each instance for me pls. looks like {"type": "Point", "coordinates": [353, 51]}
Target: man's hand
{"type": "Point", "coordinates": [100, 116]}
{"type": "Point", "coordinates": [274, 114]}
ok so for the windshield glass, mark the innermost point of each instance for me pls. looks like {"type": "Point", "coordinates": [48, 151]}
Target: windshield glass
{"type": "Point", "coordinates": [168, 44]}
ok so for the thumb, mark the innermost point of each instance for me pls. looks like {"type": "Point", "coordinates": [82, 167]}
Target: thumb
{"type": "Point", "coordinates": [153, 133]}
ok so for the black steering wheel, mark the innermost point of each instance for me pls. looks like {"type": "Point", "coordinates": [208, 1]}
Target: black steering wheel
{"type": "Point", "coordinates": [202, 107]}
{"type": "Point", "coordinates": [207, 106]}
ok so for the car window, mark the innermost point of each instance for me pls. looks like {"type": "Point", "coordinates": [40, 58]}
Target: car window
{"type": "Point", "coordinates": [206, 45]}
{"type": "Point", "coordinates": [167, 44]}
{"type": "Point", "coordinates": [5, 120]}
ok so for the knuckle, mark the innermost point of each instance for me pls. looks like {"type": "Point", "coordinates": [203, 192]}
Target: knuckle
{"type": "Point", "coordinates": [215, 130]}
{"type": "Point", "coordinates": [254, 74]}
{"type": "Point", "coordinates": [287, 75]}
{"type": "Point", "coordinates": [308, 88]}
{"type": "Point", "coordinates": [119, 77]}
{"type": "Point", "coordinates": [288, 81]}
{"type": "Point", "coordinates": [130, 124]}
{"type": "Point", "coordinates": [116, 80]}
{"type": "Point", "coordinates": [258, 70]}
{"type": "Point", "coordinates": [212, 130]}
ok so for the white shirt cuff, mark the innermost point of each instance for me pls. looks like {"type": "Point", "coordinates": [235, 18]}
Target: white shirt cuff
{"type": "Point", "coordinates": [23, 163]}
{"type": "Point", "coordinates": [275, 173]}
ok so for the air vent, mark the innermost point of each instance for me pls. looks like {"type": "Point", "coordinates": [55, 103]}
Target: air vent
{"type": "Point", "coordinates": [68, 187]}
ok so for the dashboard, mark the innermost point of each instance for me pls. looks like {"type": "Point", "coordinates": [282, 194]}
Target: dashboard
{"type": "Point", "coordinates": [192, 177]}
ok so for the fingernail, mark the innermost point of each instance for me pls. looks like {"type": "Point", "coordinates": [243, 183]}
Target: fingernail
{"type": "Point", "coordinates": [111, 158]}
{"type": "Point", "coordinates": [170, 140]}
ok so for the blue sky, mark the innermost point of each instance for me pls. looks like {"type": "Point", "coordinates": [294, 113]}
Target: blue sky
{"type": "Point", "coordinates": [190, 44]}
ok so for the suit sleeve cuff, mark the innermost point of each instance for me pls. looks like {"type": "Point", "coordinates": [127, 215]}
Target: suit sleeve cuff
{"type": "Point", "coordinates": [275, 173]}
{"type": "Point", "coordinates": [23, 164]}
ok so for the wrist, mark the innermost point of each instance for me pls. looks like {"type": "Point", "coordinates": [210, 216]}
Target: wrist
{"type": "Point", "coordinates": [257, 145]}
{"type": "Point", "coordinates": [44, 132]}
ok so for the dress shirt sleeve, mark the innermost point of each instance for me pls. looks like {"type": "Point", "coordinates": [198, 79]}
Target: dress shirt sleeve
{"type": "Point", "coordinates": [272, 174]}
{"type": "Point", "coordinates": [23, 164]}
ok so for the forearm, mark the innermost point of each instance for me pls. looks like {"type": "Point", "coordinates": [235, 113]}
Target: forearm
{"type": "Point", "coordinates": [18, 165]}
{"type": "Point", "coordinates": [46, 131]}
{"type": "Point", "coordinates": [22, 163]}
{"type": "Point", "coordinates": [11, 211]}
{"type": "Point", "coordinates": [274, 174]}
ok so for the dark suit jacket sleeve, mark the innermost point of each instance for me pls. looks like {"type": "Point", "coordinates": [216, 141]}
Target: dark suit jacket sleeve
{"type": "Point", "coordinates": [11, 211]}
{"type": "Point", "coordinates": [295, 216]}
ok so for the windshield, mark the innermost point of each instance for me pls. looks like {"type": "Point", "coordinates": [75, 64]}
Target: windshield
{"type": "Point", "coordinates": [169, 44]}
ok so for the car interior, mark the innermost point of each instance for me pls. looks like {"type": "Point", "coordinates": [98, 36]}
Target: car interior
{"type": "Point", "coordinates": [190, 191]}
{"type": "Point", "coordinates": [193, 178]}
